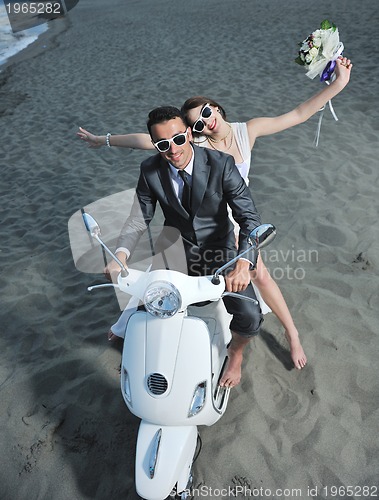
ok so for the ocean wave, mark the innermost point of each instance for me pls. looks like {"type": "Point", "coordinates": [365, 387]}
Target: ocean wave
{"type": "Point", "coordinates": [11, 43]}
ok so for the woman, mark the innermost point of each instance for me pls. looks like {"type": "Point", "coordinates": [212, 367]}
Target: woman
{"type": "Point", "coordinates": [210, 128]}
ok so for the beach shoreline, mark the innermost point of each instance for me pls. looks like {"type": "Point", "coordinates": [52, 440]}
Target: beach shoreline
{"type": "Point", "coordinates": [44, 41]}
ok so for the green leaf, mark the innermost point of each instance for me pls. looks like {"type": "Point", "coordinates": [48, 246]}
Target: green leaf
{"type": "Point", "coordinates": [325, 25]}
{"type": "Point", "coordinates": [299, 61]}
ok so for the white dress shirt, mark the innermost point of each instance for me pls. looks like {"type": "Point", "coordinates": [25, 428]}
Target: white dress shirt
{"type": "Point", "coordinates": [177, 183]}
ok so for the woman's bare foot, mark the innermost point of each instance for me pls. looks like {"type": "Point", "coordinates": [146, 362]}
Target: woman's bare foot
{"type": "Point", "coordinates": [297, 352]}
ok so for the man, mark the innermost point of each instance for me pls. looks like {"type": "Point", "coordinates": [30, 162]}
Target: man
{"type": "Point", "coordinates": [195, 202]}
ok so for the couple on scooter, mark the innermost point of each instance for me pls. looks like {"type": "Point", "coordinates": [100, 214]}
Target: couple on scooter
{"type": "Point", "coordinates": [208, 121]}
{"type": "Point", "coordinates": [194, 187]}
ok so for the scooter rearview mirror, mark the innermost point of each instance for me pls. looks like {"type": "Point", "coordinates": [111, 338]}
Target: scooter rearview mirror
{"type": "Point", "coordinates": [262, 236]}
{"type": "Point", "coordinates": [94, 229]}
{"type": "Point", "coordinates": [91, 225]}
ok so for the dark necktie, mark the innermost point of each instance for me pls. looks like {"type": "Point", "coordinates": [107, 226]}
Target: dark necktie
{"type": "Point", "coordinates": [186, 195]}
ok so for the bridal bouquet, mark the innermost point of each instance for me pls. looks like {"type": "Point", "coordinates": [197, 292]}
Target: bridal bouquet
{"type": "Point", "coordinates": [320, 50]}
{"type": "Point", "coordinates": [318, 54]}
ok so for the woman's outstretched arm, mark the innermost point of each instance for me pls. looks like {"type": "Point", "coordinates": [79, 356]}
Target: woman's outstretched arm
{"type": "Point", "coordinates": [258, 127]}
{"type": "Point", "coordinates": [134, 141]}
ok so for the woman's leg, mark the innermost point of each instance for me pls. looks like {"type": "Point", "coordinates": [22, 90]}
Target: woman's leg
{"type": "Point", "coordinates": [273, 297]}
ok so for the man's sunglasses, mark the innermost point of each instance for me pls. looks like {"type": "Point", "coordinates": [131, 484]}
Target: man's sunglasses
{"type": "Point", "coordinates": [199, 125]}
{"type": "Point", "coordinates": [164, 145]}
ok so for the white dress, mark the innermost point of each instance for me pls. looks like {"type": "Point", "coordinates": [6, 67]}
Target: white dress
{"type": "Point", "coordinates": [241, 137]}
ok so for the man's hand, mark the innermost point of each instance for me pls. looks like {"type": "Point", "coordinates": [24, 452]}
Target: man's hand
{"type": "Point", "coordinates": [238, 279]}
{"type": "Point", "coordinates": [112, 270]}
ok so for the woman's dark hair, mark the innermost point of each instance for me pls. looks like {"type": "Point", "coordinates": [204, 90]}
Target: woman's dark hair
{"type": "Point", "coordinates": [163, 114]}
{"type": "Point", "coordinates": [199, 100]}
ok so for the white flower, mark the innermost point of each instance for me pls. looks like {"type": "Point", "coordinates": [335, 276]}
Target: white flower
{"type": "Point", "coordinates": [305, 47]}
{"type": "Point", "coordinates": [313, 52]}
{"type": "Point", "coordinates": [308, 58]}
{"type": "Point", "coordinates": [318, 33]}
{"type": "Point", "coordinates": [317, 41]}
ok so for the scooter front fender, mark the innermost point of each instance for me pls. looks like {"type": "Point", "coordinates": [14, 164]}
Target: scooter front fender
{"type": "Point", "coordinates": [164, 458]}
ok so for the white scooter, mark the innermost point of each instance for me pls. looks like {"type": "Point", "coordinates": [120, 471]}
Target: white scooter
{"type": "Point", "coordinates": [173, 358]}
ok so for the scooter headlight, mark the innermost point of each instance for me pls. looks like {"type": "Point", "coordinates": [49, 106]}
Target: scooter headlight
{"type": "Point", "coordinates": [162, 299]}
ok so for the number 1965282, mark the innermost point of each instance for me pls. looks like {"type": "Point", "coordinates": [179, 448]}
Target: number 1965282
{"type": "Point", "coordinates": [34, 8]}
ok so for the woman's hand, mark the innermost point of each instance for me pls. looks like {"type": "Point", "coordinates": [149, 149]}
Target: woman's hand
{"type": "Point", "coordinates": [134, 141]}
{"type": "Point", "coordinates": [343, 69]}
{"type": "Point", "coordinates": [93, 141]}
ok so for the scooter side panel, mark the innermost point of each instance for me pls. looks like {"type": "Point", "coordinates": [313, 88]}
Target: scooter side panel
{"type": "Point", "coordinates": [181, 357]}
{"type": "Point", "coordinates": [217, 320]}
{"type": "Point", "coordinates": [175, 455]}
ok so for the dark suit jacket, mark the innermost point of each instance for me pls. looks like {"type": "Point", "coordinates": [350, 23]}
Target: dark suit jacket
{"type": "Point", "coordinates": [216, 183]}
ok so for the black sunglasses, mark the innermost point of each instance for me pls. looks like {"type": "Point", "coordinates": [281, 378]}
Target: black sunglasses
{"type": "Point", "coordinates": [199, 125]}
{"type": "Point", "coordinates": [164, 145]}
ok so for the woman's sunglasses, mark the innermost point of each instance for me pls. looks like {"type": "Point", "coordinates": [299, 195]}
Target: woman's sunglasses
{"type": "Point", "coordinates": [199, 125]}
{"type": "Point", "coordinates": [164, 145]}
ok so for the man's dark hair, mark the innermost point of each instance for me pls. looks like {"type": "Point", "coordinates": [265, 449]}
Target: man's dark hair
{"type": "Point", "coordinates": [163, 114]}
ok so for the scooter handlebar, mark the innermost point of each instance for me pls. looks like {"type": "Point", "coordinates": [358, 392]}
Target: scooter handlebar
{"type": "Point", "coordinates": [102, 285]}
{"type": "Point", "coordinates": [238, 296]}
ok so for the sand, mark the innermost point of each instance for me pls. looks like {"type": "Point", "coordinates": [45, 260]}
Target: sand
{"type": "Point", "coordinates": [65, 431]}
